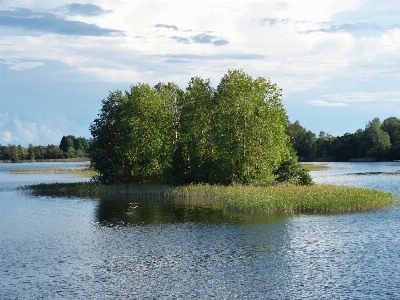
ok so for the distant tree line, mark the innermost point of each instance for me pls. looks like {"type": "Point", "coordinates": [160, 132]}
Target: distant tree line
{"type": "Point", "coordinates": [162, 134]}
{"type": "Point", "coordinates": [379, 141]}
{"type": "Point", "coordinates": [70, 147]}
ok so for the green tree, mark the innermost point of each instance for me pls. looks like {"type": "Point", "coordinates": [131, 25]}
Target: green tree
{"type": "Point", "coordinates": [52, 152]}
{"type": "Point", "coordinates": [14, 153]}
{"type": "Point", "coordinates": [392, 127]}
{"type": "Point", "coordinates": [250, 137]}
{"type": "Point", "coordinates": [65, 143]}
{"type": "Point", "coordinates": [81, 146]}
{"type": "Point", "coordinates": [130, 137]}
{"type": "Point", "coordinates": [233, 134]}
{"type": "Point", "coordinates": [4, 155]}
{"type": "Point", "coordinates": [302, 141]}
{"type": "Point", "coordinates": [292, 172]}
{"type": "Point", "coordinates": [376, 142]}
{"type": "Point", "coordinates": [171, 96]}
{"type": "Point", "coordinates": [193, 158]}
{"type": "Point", "coordinates": [40, 152]}
{"type": "Point", "coordinates": [31, 152]}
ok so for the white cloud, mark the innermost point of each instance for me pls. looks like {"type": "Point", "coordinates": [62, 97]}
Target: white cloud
{"type": "Point", "coordinates": [286, 40]}
{"type": "Point", "coordinates": [391, 96]}
{"type": "Point", "coordinates": [53, 136]}
{"type": "Point", "coordinates": [112, 75]}
{"type": "Point", "coordinates": [23, 66]}
{"type": "Point", "coordinates": [26, 131]}
{"type": "Point", "coordinates": [324, 103]}
{"type": "Point", "coordinates": [4, 118]}
{"type": "Point", "coordinates": [6, 136]}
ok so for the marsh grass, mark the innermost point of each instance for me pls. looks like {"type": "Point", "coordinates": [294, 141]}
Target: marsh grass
{"type": "Point", "coordinates": [316, 167]}
{"type": "Point", "coordinates": [266, 199]}
{"type": "Point", "coordinates": [83, 172]}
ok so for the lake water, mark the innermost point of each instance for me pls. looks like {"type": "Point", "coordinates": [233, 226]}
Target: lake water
{"type": "Point", "coordinates": [70, 248]}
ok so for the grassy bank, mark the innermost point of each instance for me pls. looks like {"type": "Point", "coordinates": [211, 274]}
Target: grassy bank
{"type": "Point", "coordinates": [78, 172]}
{"type": "Point", "coordinates": [270, 199]}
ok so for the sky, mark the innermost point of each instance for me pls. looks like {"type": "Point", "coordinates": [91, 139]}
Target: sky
{"type": "Point", "coordinates": [337, 62]}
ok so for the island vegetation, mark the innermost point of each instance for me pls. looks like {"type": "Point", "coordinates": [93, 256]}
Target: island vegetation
{"type": "Point", "coordinates": [234, 134]}
{"type": "Point", "coordinates": [228, 146]}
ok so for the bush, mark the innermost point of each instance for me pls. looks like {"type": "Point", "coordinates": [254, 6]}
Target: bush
{"type": "Point", "coordinates": [291, 171]}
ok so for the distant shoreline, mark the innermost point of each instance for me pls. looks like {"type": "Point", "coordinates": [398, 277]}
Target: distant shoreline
{"type": "Point", "coordinates": [76, 159]}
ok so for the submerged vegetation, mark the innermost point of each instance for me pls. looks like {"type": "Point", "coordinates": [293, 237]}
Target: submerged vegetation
{"type": "Point", "coordinates": [280, 198]}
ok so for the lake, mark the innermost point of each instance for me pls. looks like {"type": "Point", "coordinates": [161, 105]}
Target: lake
{"type": "Point", "coordinates": [70, 248]}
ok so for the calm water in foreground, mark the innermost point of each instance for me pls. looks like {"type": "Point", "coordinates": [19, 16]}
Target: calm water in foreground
{"type": "Point", "coordinates": [63, 248]}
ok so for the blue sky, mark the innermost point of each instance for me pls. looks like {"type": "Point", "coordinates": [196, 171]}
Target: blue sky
{"type": "Point", "coordinates": [337, 62]}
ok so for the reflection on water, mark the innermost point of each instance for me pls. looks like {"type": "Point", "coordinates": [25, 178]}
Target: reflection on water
{"type": "Point", "coordinates": [130, 248]}
{"type": "Point", "coordinates": [130, 210]}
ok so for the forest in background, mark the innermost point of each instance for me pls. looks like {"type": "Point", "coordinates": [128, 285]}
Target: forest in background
{"type": "Point", "coordinates": [69, 147]}
{"type": "Point", "coordinates": [379, 141]}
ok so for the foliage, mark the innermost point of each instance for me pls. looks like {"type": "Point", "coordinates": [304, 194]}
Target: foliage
{"type": "Point", "coordinates": [302, 140]}
{"type": "Point", "coordinates": [234, 134]}
{"type": "Point", "coordinates": [73, 147]}
{"type": "Point", "coordinates": [291, 172]}
{"type": "Point", "coordinates": [194, 155]}
{"type": "Point", "coordinates": [249, 129]}
{"type": "Point", "coordinates": [132, 137]}
{"type": "Point", "coordinates": [77, 148]}
{"type": "Point", "coordinates": [378, 141]}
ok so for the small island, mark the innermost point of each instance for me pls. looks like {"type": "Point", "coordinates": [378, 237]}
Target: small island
{"type": "Point", "coordinates": [228, 146]}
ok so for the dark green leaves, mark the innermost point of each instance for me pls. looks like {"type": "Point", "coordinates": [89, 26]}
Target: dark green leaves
{"type": "Point", "coordinates": [234, 134]}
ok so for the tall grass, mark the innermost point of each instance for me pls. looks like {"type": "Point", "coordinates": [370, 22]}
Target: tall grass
{"type": "Point", "coordinates": [315, 167]}
{"type": "Point", "coordinates": [266, 199]}
{"type": "Point", "coordinates": [79, 172]}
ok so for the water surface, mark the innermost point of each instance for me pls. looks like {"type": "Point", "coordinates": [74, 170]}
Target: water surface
{"type": "Point", "coordinates": [70, 248]}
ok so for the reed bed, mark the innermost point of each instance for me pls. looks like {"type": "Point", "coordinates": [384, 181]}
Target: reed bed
{"type": "Point", "coordinates": [316, 167]}
{"type": "Point", "coordinates": [78, 172]}
{"type": "Point", "coordinates": [266, 199]}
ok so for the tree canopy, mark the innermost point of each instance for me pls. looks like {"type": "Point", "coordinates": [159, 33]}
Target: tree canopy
{"type": "Point", "coordinates": [232, 134]}
{"type": "Point", "coordinates": [378, 141]}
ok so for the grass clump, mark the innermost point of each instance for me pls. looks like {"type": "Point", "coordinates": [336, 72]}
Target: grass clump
{"type": "Point", "coordinates": [282, 198]}
{"type": "Point", "coordinates": [78, 172]}
{"type": "Point", "coordinates": [315, 167]}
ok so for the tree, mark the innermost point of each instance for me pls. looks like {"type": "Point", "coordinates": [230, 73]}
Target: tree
{"type": "Point", "coordinates": [13, 153]}
{"type": "Point", "coordinates": [31, 152]}
{"type": "Point", "coordinates": [235, 134]}
{"type": "Point", "coordinates": [40, 152]}
{"type": "Point", "coordinates": [376, 142]}
{"type": "Point", "coordinates": [53, 152]}
{"type": "Point", "coordinates": [130, 137]}
{"type": "Point", "coordinates": [392, 127]}
{"type": "Point", "coordinates": [65, 143]}
{"type": "Point", "coordinates": [4, 154]}
{"type": "Point", "coordinates": [193, 158]}
{"type": "Point", "coordinates": [81, 146]}
{"type": "Point", "coordinates": [171, 96]}
{"type": "Point", "coordinates": [250, 136]}
{"type": "Point", "coordinates": [302, 140]}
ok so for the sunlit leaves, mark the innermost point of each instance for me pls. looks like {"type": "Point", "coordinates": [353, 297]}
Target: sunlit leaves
{"type": "Point", "coordinates": [234, 134]}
